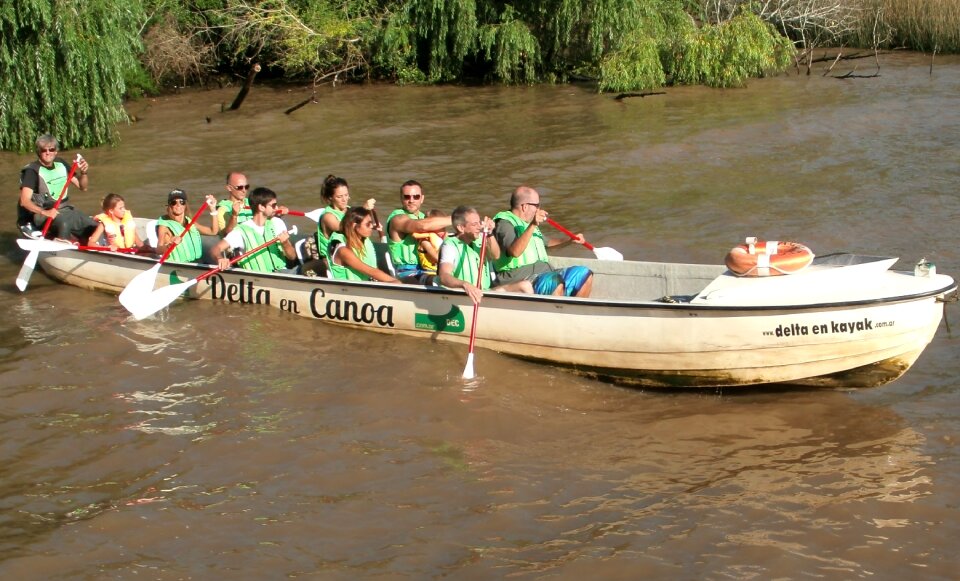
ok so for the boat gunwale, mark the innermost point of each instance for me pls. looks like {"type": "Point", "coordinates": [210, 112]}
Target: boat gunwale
{"type": "Point", "coordinates": [577, 301]}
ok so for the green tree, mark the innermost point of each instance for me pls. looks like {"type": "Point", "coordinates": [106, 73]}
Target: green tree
{"type": "Point", "coordinates": [62, 67]}
{"type": "Point", "coordinates": [624, 44]}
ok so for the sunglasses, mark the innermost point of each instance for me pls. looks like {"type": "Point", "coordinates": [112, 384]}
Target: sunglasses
{"type": "Point", "coordinates": [537, 205]}
{"type": "Point", "coordinates": [48, 150]}
{"type": "Point", "coordinates": [178, 203]}
{"type": "Point", "coordinates": [272, 205]}
{"type": "Point", "coordinates": [412, 196]}
{"type": "Point", "coordinates": [241, 187]}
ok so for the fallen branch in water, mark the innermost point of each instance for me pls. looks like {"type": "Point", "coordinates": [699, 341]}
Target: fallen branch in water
{"type": "Point", "coordinates": [622, 96]}
{"type": "Point", "coordinates": [311, 99]}
{"type": "Point", "coordinates": [851, 75]}
{"type": "Point", "coordinates": [246, 87]}
{"type": "Point", "coordinates": [844, 57]}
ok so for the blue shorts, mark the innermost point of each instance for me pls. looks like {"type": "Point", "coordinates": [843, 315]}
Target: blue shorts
{"type": "Point", "coordinates": [572, 278]}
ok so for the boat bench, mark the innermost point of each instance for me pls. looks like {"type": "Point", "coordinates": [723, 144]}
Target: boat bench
{"type": "Point", "coordinates": [648, 281]}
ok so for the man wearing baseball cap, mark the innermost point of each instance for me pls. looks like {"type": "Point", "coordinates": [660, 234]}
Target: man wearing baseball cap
{"type": "Point", "coordinates": [170, 228]}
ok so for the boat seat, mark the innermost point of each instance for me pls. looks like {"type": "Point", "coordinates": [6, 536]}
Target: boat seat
{"type": "Point", "coordinates": [150, 229]}
{"type": "Point", "coordinates": [384, 262]}
{"type": "Point", "coordinates": [299, 248]}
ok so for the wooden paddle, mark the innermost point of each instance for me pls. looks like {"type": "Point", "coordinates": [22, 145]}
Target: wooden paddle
{"type": "Point", "coordinates": [601, 253]}
{"type": "Point", "coordinates": [30, 263]}
{"type": "Point", "coordinates": [468, 372]}
{"type": "Point", "coordinates": [144, 282]}
{"type": "Point", "coordinates": [143, 306]}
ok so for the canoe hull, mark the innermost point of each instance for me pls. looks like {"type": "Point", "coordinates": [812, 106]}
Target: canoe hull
{"type": "Point", "coordinates": [645, 343]}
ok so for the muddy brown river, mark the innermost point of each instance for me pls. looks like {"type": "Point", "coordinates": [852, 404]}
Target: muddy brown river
{"type": "Point", "coordinates": [221, 441]}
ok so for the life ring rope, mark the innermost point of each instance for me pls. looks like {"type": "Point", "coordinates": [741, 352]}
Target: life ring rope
{"type": "Point", "coordinates": [768, 258]}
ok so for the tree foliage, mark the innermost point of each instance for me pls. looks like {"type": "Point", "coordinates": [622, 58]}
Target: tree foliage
{"type": "Point", "coordinates": [62, 68]}
{"type": "Point", "coordinates": [65, 65]}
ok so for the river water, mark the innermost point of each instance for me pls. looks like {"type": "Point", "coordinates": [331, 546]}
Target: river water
{"type": "Point", "coordinates": [221, 441]}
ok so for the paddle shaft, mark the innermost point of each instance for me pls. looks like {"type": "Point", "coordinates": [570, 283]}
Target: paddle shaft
{"type": "Point", "coordinates": [66, 184]}
{"type": "Point", "coordinates": [476, 307]}
{"type": "Point", "coordinates": [568, 233]}
{"type": "Point", "coordinates": [183, 234]}
{"type": "Point", "coordinates": [236, 259]}
{"type": "Point", "coordinates": [312, 214]}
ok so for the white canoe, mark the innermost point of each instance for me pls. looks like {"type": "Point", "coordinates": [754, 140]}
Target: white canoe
{"type": "Point", "coordinates": [846, 321]}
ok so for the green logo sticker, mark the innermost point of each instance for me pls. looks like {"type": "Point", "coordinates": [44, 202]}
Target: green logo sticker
{"type": "Point", "coordinates": [452, 322]}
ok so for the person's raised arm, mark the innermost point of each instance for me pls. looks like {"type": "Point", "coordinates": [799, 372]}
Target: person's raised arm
{"type": "Point", "coordinates": [329, 223]}
{"type": "Point", "coordinates": [403, 224]}
{"type": "Point", "coordinates": [80, 179]}
{"type": "Point", "coordinates": [288, 250]}
{"type": "Point", "coordinates": [214, 227]}
{"type": "Point", "coordinates": [493, 245]}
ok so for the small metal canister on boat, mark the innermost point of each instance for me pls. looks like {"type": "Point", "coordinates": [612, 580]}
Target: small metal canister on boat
{"type": "Point", "coordinates": [924, 268]}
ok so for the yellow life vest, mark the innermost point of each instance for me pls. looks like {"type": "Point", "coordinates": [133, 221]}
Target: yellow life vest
{"type": "Point", "coordinates": [122, 234]}
{"type": "Point", "coordinates": [435, 238]}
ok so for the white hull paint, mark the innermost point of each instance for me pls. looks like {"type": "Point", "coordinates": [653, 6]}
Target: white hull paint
{"type": "Point", "coordinates": [722, 331]}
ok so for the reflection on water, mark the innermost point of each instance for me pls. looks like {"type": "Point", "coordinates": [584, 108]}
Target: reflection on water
{"type": "Point", "coordinates": [246, 441]}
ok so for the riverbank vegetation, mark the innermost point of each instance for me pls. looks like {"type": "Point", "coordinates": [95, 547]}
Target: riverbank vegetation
{"type": "Point", "coordinates": [66, 70]}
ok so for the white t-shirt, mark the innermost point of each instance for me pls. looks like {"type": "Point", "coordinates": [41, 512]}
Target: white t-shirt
{"type": "Point", "coordinates": [450, 254]}
{"type": "Point", "coordinates": [235, 238]}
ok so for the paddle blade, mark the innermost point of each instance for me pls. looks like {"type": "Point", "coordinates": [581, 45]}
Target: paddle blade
{"type": "Point", "coordinates": [43, 245]}
{"type": "Point", "coordinates": [142, 306]}
{"type": "Point", "coordinates": [141, 285]}
{"type": "Point", "coordinates": [468, 372]}
{"type": "Point", "coordinates": [23, 278]}
{"type": "Point", "coordinates": [607, 254]}
{"type": "Point", "coordinates": [315, 215]}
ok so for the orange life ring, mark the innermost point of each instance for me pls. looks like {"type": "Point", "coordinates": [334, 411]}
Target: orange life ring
{"type": "Point", "coordinates": [768, 258]}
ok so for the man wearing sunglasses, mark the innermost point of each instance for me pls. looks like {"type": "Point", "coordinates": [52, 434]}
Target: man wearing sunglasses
{"type": "Point", "coordinates": [263, 227]}
{"type": "Point", "coordinates": [41, 183]}
{"type": "Point", "coordinates": [524, 254]}
{"type": "Point", "coordinates": [402, 224]}
{"type": "Point", "coordinates": [172, 225]}
{"type": "Point", "coordinates": [235, 209]}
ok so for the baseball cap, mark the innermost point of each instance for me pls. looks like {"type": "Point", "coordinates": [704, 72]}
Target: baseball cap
{"type": "Point", "coordinates": [176, 194]}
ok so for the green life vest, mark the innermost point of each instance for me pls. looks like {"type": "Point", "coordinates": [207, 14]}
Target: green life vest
{"type": "Point", "coordinates": [323, 242]}
{"type": "Point", "coordinates": [243, 215]}
{"type": "Point", "coordinates": [267, 259]}
{"type": "Point", "coordinates": [536, 250]}
{"type": "Point", "coordinates": [345, 272]}
{"type": "Point", "coordinates": [190, 248]}
{"type": "Point", "coordinates": [55, 177]}
{"type": "Point", "coordinates": [50, 183]}
{"type": "Point", "coordinates": [404, 252]}
{"type": "Point", "coordinates": [469, 262]}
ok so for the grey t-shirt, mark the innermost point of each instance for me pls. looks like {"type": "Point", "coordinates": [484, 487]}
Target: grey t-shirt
{"type": "Point", "coordinates": [506, 234]}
